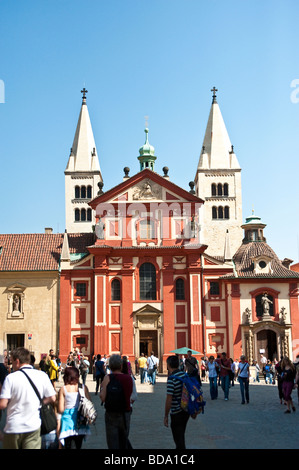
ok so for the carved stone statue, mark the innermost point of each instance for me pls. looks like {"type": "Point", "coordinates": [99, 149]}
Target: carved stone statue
{"type": "Point", "coordinates": [16, 303]}
{"type": "Point", "coordinates": [146, 191]}
{"type": "Point", "coordinates": [248, 315]}
{"type": "Point", "coordinates": [266, 305]}
{"type": "Point", "coordinates": [283, 315]}
{"type": "Point", "coordinates": [99, 229]}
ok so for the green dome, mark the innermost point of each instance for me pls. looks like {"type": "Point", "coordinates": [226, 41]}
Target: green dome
{"type": "Point", "coordinates": [146, 149]}
{"type": "Point", "coordinates": [147, 154]}
{"type": "Point", "coordinates": [253, 220]}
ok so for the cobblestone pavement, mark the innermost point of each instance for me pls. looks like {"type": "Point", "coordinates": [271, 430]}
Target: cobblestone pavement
{"type": "Point", "coordinates": [261, 424]}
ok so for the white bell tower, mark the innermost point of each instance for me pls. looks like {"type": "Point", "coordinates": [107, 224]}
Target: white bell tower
{"type": "Point", "coordinates": [82, 176]}
{"type": "Point", "coordinates": [218, 183]}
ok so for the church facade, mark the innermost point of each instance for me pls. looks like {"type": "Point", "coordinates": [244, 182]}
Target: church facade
{"type": "Point", "coordinates": [150, 266]}
{"type": "Point", "coordinates": [162, 272]}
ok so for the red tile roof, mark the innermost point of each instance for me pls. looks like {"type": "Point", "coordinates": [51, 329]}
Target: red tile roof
{"type": "Point", "coordinates": [38, 251]}
{"type": "Point", "coordinates": [243, 260]}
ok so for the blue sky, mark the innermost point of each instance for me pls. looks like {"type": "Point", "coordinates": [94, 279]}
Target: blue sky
{"type": "Point", "coordinates": [158, 58]}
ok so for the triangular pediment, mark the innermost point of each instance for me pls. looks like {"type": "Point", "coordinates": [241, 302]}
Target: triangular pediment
{"type": "Point", "coordinates": [146, 186]}
{"type": "Point", "coordinates": [147, 310]}
{"type": "Point", "coordinates": [16, 288]}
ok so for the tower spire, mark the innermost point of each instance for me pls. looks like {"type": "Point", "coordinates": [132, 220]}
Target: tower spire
{"type": "Point", "coordinates": [218, 182]}
{"type": "Point", "coordinates": [82, 174]}
{"type": "Point", "coordinates": [84, 150]}
{"type": "Point", "coordinates": [218, 150]}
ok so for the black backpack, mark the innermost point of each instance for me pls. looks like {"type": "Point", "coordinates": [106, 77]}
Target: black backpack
{"type": "Point", "coordinates": [115, 397]}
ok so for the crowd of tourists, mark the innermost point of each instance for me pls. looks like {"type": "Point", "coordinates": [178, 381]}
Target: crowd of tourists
{"type": "Point", "coordinates": [21, 398]}
{"type": "Point", "coordinates": [21, 395]}
{"type": "Point", "coordinates": [224, 372]}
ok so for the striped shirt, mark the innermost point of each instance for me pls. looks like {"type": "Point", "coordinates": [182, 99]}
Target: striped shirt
{"type": "Point", "coordinates": [174, 388]}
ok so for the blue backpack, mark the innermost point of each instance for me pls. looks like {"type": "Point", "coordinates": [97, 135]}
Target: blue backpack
{"type": "Point", "coordinates": [192, 398]}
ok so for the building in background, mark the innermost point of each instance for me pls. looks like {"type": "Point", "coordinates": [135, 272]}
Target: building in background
{"type": "Point", "coordinates": [150, 266]}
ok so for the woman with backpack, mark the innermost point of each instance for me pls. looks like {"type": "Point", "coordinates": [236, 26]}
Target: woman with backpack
{"type": "Point", "coordinates": [68, 405]}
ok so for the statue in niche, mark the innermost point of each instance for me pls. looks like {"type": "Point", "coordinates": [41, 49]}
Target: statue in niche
{"type": "Point", "coordinates": [266, 304]}
{"type": "Point", "coordinates": [16, 303]}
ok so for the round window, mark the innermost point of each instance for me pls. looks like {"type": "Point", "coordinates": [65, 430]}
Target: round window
{"type": "Point", "coordinates": [262, 264]}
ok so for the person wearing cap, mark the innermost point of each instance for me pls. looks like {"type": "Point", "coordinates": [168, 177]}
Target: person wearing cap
{"type": "Point", "coordinates": [243, 377]}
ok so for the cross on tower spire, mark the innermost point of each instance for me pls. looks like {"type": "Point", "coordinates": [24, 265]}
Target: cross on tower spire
{"type": "Point", "coordinates": [214, 90]}
{"type": "Point", "coordinates": [84, 91]}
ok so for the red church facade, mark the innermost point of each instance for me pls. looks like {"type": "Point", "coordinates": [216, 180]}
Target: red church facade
{"type": "Point", "coordinates": [146, 283]}
{"type": "Point", "coordinates": [149, 266]}
{"type": "Point", "coordinates": [155, 276]}
{"type": "Point", "coordinates": [139, 289]}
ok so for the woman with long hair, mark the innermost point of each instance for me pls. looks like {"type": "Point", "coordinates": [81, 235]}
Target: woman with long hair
{"type": "Point", "coordinates": [68, 402]}
{"type": "Point", "coordinates": [288, 381]}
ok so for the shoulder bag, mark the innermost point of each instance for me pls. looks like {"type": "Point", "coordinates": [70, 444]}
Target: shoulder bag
{"type": "Point", "coordinates": [87, 414]}
{"type": "Point", "coordinates": [47, 412]}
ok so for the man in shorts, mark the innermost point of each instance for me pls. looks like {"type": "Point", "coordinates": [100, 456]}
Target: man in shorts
{"type": "Point", "coordinates": [22, 428]}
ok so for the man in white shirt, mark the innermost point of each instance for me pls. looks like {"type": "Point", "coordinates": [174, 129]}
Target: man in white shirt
{"type": "Point", "coordinates": [22, 428]}
{"type": "Point", "coordinates": [235, 367]}
{"type": "Point", "coordinates": [263, 360]}
{"type": "Point", "coordinates": [152, 364]}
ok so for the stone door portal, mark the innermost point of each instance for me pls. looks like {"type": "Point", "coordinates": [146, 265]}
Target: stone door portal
{"type": "Point", "coordinates": [148, 341]}
{"type": "Point", "coordinates": [267, 342]}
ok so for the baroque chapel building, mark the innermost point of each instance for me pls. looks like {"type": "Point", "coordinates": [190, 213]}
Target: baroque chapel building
{"type": "Point", "coordinates": [150, 266]}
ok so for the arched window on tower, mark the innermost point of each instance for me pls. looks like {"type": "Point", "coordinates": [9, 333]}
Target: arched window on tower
{"type": "Point", "coordinates": [83, 215]}
{"type": "Point", "coordinates": [77, 215]}
{"type": "Point", "coordinates": [89, 215]}
{"type": "Point", "coordinates": [219, 187]}
{"type": "Point", "coordinates": [220, 212]}
{"type": "Point", "coordinates": [89, 192]}
{"type": "Point", "coordinates": [214, 212]}
{"type": "Point", "coordinates": [115, 289]}
{"type": "Point", "coordinates": [225, 189]}
{"type": "Point", "coordinates": [83, 192]}
{"type": "Point", "coordinates": [77, 192]}
{"type": "Point", "coordinates": [213, 189]}
{"type": "Point", "coordinates": [226, 212]}
{"type": "Point", "coordinates": [147, 282]}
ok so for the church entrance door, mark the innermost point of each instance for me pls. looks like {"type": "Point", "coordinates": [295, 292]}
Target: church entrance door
{"type": "Point", "coordinates": [267, 342]}
{"type": "Point", "coordinates": [148, 342]}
